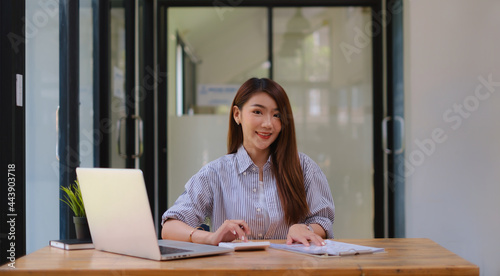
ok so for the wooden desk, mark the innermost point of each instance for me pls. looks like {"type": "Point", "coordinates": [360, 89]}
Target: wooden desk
{"type": "Point", "coordinates": [402, 257]}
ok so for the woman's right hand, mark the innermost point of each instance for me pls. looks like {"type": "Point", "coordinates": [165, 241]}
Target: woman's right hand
{"type": "Point", "coordinates": [229, 231]}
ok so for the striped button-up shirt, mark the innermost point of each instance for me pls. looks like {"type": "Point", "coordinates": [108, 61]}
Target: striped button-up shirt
{"type": "Point", "coordinates": [227, 188]}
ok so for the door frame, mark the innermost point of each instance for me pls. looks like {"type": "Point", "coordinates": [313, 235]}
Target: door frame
{"type": "Point", "coordinates": [394, 180]}
{"type": "Point", "coordinates": [69, 107]}
{"type": "Point", "coordinates": [382, 221]}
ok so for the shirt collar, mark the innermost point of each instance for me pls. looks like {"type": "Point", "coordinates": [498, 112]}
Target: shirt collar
{"type": "Point", "coordinates": [244, 161]}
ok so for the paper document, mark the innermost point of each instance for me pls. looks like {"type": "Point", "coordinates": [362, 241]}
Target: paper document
{"type": "Point", "coordinates": [332, 248]}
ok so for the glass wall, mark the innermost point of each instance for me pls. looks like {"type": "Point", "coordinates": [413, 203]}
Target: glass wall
{"type": "Point", "coordinates": [331, 97]}
{"type": "Point", "coordinates": [212, 51]}
{"type": "Point", "coordinates": [42, 101]}
{"type": "Point", "coordinates": [86, 85]}
{"type": "Point", "coordinates": [117, 83]}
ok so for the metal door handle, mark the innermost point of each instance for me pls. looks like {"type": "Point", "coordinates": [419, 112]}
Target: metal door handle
{"type": "Point", "coordinates": [119, 135]}
{"type": "Point", "coordinates": [57, 134]}
{"type": "Point", "coordinates": [138, 152]}
{"type": "Point", "coordinates": [384, 134]}
{"type": "Point", "coordinates": [402, 134]}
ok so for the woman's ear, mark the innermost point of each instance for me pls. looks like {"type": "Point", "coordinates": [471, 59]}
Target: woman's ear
{"type": "Point", "coordinates": [237, 115]}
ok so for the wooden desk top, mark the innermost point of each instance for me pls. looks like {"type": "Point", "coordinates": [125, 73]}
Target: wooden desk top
{"type": "Point", "coordinates": [402, 257]}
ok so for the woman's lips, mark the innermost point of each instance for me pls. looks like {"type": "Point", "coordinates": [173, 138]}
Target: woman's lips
{"type": "Point", "coordinates": [264, 135]}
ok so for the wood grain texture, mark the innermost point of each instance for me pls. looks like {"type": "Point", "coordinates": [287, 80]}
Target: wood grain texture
{"type": "Point", "coordinates": [402, 257]}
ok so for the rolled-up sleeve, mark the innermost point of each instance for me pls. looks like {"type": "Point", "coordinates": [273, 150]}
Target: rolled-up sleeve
{"type": "Point", "coordinates": [195, 203]}
{"type": "Point", "coordinates": [319, 196]}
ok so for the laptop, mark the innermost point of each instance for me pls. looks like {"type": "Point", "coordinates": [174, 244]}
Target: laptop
{"type": "Point", "coordinates": [120, 219]}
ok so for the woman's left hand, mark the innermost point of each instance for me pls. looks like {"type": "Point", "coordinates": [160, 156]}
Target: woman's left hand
{"type": "Point", "coordinates": [301, 233]}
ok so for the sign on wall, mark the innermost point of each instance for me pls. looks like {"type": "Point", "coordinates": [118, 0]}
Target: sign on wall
{"type": "Point", "coordinates": [216, 94]}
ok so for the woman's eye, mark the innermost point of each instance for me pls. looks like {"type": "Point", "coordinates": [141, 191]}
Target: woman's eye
{"type": "Point", "coordinates": [257, 112]}
{"type": "Point", "coordinates": [277, 115]}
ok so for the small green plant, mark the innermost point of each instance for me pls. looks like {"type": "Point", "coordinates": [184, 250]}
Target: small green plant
{"type": "Point", "coordinates": [73, 199]}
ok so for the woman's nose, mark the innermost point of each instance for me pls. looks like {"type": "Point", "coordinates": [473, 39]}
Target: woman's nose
{"type": "Point", "coordinates": [267, 121]}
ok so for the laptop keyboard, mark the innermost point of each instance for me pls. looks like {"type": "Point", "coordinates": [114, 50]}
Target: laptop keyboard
{"type": "Point", "coordinates": [171, 250]}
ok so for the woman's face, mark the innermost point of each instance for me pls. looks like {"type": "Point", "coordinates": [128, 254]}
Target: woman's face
{"type": "Point", "coordinates": [260, 121]}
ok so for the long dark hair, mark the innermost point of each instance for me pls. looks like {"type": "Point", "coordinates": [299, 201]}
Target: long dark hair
{"type": "Point", "coordinates": [284, 155]}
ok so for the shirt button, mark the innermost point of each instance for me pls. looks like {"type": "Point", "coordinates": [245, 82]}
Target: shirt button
{"type": "Point", "coordinates": [253, 169]}
{"type": "Point", "coordinates": [258, 209]}
{"type": "Point", "coordinates": [260, 235]}
{"type": "Point", "coordinates": [254, 190]}
{"type": "Point", "coordinates": [244, 173]}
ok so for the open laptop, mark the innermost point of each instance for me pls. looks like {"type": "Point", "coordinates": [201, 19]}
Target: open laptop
{"type": "Point", "coordinates": [120, 219]}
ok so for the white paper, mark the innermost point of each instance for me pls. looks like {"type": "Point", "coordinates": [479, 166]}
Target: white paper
{"type": "Point", "coordinates": [332, 248]}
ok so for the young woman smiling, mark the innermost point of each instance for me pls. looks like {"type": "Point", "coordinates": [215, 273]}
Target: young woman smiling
{"type": "Point", "coordinates": [263, 188]}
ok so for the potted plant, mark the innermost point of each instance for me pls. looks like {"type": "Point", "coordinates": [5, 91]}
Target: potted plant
{"type": "Point", "coordinates": [73, 198]}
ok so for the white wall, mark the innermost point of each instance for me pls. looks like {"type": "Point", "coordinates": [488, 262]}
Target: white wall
{"type": "Point", "coordinates": [453, 187]}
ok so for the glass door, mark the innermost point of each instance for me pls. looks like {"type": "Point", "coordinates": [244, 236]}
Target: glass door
{"type": "Point", "coordinates": [331, 95]}
{"type": "Point", "coordinates": [43, 117]}
{"type": "Point", "coordinates": [133, 79]}
{"type": "Point", "coordinates": [117, 95]}
{"type": "Point", "coordinates": [323, 56]}
{"type": "Point", "coordinates": [210, 53]}
{"type": "Point", "coordinates": [42, 100]}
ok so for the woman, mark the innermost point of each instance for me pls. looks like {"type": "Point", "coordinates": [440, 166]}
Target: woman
{"type": "Point", "coordinates": [263, 188]}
